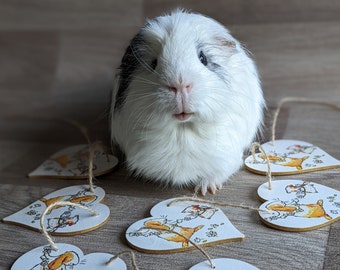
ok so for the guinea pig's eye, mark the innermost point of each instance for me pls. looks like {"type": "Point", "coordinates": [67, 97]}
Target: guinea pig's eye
{"type": "Point", "coordinates": [203, 58]}
{"type": "Point", "coordinates": [154, 63]}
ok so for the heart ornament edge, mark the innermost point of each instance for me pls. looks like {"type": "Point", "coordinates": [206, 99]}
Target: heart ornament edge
{"type": "Point", "coordinates": [203, 224]}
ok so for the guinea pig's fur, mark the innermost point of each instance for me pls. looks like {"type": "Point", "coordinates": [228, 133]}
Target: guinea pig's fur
{"type": "Point", "coordinates": [187, 102]}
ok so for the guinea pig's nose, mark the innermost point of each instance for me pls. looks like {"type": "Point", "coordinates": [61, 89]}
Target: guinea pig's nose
{"type": "Point", "coordinates": [181, 87]}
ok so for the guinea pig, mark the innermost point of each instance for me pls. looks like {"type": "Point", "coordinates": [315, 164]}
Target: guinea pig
{"type": "Point", "coordinates": [187, 101]}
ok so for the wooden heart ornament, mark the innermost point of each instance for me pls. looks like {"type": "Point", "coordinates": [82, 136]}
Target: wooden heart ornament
{"type": "Point", "coordinates": [291, 157]}
{"type": "Point", "coordinates": [163, 232]}
{"type": "Point", "coordinates": [67, 257]}
{"type": "Point", "coordinates": [296, 205]}
{"type": "Point", "coordinates": [65, 220]}
{"type": "Point", "coordinates": [73, 163]}
{"type": "Point", "coordinates": [223, 264]}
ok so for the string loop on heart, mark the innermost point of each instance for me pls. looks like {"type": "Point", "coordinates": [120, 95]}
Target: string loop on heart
{"type": "Point", "coordinates": [198, 200]}
{"type": "Point", "coordinates": [301, 100]}
{"type": "Point", "coordinates": [132, 255]}
{"type": "Point", "coordinates": [187, 239]}
{"type": "Point", "coordinates": [269, 172]}
{"type": "Point", "coordinates": [49, 209]}
{"type": "Point", "coordinates": [92, 147]}
{"type": "Point", "coordinates": [81, 128]}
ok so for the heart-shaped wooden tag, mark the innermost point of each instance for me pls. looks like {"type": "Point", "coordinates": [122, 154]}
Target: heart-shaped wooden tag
{"type": "Point", "coordinates": [296, 205]}
{"type": "Point", "coordinates": [223, 264]}
{"type": "Point", "coordinates": [73, 163]}
{"type": "Point", "coordinates": [199, 223]}
{"type": "Point", "coordinates": [67, 257]}
{"type": "Point", "coordinates": [65, 220]}
{"type": "Point", "coordinates": [291, 157]}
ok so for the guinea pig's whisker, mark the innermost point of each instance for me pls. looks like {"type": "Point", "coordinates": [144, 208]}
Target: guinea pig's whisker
{"type": "Point", "coordinates": [146, 124]}
{"type": "Point", "coordinates": [243, 97]}
{"type": "Point", "coordinates": [142, 124]}
{"type": "Point", "coordinates": [145, 80]}
{"type": "Point", "coordinates": [243, 46]}
{"type": "Point", "coordinates": [140, 96]}
{"type": "Point", "coordinates": [143, 119]}
{"type": "Point", "coordinates": [232, 121]}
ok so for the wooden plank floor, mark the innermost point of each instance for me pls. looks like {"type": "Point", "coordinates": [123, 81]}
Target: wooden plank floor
{"type": "Point", "coordinates": [56, 62]}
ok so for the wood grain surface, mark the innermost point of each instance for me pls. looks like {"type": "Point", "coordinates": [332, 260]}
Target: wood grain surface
{"type": "Point", "coordinates": [56, 62]}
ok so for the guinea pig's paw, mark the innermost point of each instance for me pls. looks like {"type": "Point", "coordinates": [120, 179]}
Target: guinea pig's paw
{"type": "Point", "coordinates": [210, 186]}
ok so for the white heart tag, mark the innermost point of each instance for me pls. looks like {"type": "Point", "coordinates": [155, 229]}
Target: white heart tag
{"type": "Point", "coordinates": [65, 220]}
{"type": "Point", "coordinates": [296, 205]}
{"type": "Point", "coordinates": [201, 223]}
{"type": "Point", "coordinates": [291, 157]}
{"type": "Point", "coordinates": [223, 264]}
{"type": "Point", "coordinates": [73, 163]}
{"type": "Point", "coordinates": [68, 257]}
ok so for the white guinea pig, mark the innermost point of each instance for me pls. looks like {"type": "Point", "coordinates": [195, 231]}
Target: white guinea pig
{"type": "Point", "coordinates": [187, 102]}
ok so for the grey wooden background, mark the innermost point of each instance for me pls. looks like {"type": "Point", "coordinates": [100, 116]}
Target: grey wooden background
{"type": "Point", "coordinates": [57, 60]}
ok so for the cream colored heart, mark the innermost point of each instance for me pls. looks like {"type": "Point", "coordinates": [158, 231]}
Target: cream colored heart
{"type": "Point", "coordinates": [296, 205]}
{"type": "Point", "coordinates": [162, 233]}
{"type": "Point", "coordinates": [73, 163]}
{"type": "Point", "coordinates": [291, 157]}
{"type": "Point", "coordinates": [65, 220]}
{"type": "Point", "coordinates": [67, 257]}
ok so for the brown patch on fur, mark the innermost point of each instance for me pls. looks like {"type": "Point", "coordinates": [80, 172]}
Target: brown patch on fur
{"type": "Point", "coordinates": [225, 42]}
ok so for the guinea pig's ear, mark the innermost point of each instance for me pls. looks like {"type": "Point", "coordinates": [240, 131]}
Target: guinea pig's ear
{"type": "Point", "coordinates": [116, 83]}
{"type": "Point", "coordinates": [225, 42]}
{"type": "Point", "coordinates": [130, 63]}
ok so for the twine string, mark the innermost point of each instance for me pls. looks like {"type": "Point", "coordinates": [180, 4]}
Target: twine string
{"type": "Point", "coordinates": [91, 146]}
{"type": "Point", "coordinates": [92, 150]}
{"type": "Point", "coordinates": [301, 100]}
{"type": "Point", "coordinates": [132, 256]}
{"type": "Point", "coordinates": [220, 204]}
{"type": "Point", "coordinates": [48, 210]}
{"type": "Point", "coordinates": [81, 128]}
{"type": "Point", "coordinates": [187, 239]}
{"type": "Point", "coordinates": [269, 172]}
